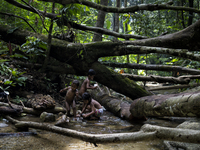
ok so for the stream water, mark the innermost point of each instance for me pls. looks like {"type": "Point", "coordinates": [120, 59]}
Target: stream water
{"type": "Point", "coordinates": [45, 140]}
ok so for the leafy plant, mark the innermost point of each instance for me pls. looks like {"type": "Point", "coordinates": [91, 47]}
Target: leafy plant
{"type": "Point", "coordinates": [11, 77]}
{"type": "Point", "coordinates": [34, 47]}
{"type": "Point", "coordinates": [17, 99]}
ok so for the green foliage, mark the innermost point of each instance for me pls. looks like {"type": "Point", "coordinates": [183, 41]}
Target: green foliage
{"type": "Point", "coordinates": [17, 99]}
{"type": "Point", "coordinates": [11, 77]}
{"type": "Point", "coordinates": [34, 47]}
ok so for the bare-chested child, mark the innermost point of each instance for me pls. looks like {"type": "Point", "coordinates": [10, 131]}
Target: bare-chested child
{"type": "Point", "coordinates": [86, 83]}
{"type": "Point", "coordinates": [95, 110]}
{"type": "Point", "coordinates": [72, 92]}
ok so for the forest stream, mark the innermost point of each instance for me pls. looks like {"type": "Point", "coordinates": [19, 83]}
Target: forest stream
{"type": "Point", "coordinates": [108, 123]}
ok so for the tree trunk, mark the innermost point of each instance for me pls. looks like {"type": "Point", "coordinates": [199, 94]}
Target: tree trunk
{"type": "Point", "coordinates": [100, 21]}
{"type": "Point", "coordinates": [191, 2]}
{"type": "Point", "coordinates": [178, 105]}
{"type": "Point", "coordinates": [113, 104]}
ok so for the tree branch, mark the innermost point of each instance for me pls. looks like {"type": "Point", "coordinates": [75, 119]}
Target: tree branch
{"type": "Point", "coordinates": [175, 52]}
{"type": "Point", "coordinates": [173, 87]}
{"type": "Point", "coordinates": [38, 12]}
{"type": "Point", "coordinates": [184, 39]}
{"type": "Point", "coordinates": [131, 9]}
{"type": "Point", "coordinates": [159, 79]}
{"type": "Point", "coordinates": [77, 26]}
{"type": "Point", "coordinates": [152, 67]}
{"type": "Point", "coordinates": [8, 14]}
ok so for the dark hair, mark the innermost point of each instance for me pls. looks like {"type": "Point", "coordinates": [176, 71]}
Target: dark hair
{"type": "Point", "coordinates": [91, 72]}
{"type": "Point", "coordinates": [76, 82]}
{"type": "Point", "coordinates": [86, 96]}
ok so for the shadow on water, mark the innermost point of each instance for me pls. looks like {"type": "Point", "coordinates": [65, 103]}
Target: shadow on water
{"type": "Point", "coordinates": [107, 124]}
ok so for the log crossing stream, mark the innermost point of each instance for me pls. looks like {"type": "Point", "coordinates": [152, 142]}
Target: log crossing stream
{"type": "Point", "coordinates": [107, 124]}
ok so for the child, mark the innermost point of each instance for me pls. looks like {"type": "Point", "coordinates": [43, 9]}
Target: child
{"type": "Point", "coordinates": [71, 94]}
{"type": "Point", "coordinates": [86, 83]}
{"type": "Point", "coordinates": [95, 109]}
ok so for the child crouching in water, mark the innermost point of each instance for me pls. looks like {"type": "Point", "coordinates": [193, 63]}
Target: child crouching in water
{"type": "Point", "coordinates": [72, 93]}
{"type": "Point", "coordinates": [95, 109]}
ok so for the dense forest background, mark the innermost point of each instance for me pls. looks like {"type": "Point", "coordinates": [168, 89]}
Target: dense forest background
{"type": "Point", "coordinates": [80, 23]}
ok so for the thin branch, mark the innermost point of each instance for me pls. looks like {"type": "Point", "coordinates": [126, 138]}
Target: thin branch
{"type": "Point", "coordinates": [38, 12]}
{"type": "Point", "coordinates": [8, 14]}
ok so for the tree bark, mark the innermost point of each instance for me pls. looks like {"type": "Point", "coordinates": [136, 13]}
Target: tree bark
{"type": "Point", "coordinates": [179, 105]}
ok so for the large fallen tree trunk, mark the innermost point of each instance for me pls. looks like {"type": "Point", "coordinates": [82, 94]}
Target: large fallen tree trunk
{"type": "Point", "coordinates": [68, 53]}
{"type": "Point", "coordinates": [115, 105]}
{"type": "Point", "coordinates": [179, 105]}
{"type": "Point", "coordinates": [147, 132]}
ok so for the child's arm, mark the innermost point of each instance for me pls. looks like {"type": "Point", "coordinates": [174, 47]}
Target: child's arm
{"type": "Point", "coordinates": [77, 95]}
{"type": "Point", "coordinates": [65, 89]}
{"type": "Point", "coordinates": [91, 113]}
{"type": "Point", "coordinates": [84, 107]}
{"type": "Point", "coordinates": [89, 86]}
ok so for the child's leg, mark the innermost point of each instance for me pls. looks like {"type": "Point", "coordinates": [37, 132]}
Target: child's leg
{"type": "Point", "coordinates": [74, 108]}
{"type": "Point", "coordinates": [67, 108]}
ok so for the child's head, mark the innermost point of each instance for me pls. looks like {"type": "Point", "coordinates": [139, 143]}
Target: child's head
{"type": "Point", "coordinates": [75, 85]}
{"type": "Point", "coordinates": [91, 74]}
{"type": "Point", "coordinates": [86, 98]}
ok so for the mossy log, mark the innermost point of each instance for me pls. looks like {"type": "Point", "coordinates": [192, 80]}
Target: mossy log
{"type": "Point", "coordinates": [113, 104]}
{"type": "Point", "coordinates": [178, 105]}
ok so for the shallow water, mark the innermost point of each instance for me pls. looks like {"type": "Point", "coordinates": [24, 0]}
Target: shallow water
{"type": "Point", "coordinates": [45, 140]}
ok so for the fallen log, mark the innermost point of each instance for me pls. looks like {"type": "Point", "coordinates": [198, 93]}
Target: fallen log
{"type": "Point", "coordinates": [173, 87]}
{"type": "Point", "coordinates": [93, 138]}
{"type": "Point", "coordinates": [147, 132]}
{"type": "Point", "coordinates": [178, 105]}
{"type": "Point", "coordinates": [176, 134]}
{"type": "Point", "coordinates": [33, 111]}
{"type": "Point", "coordinates": [113, 104]}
